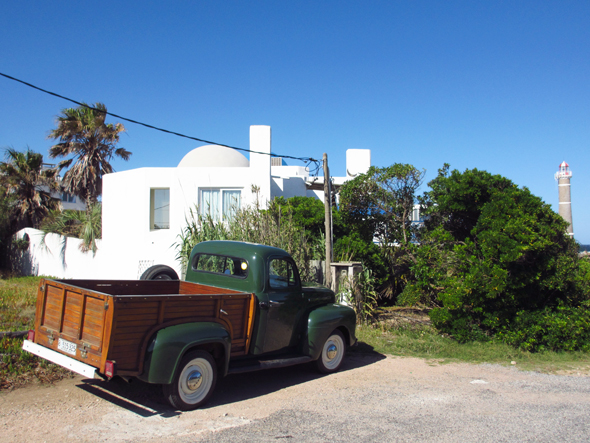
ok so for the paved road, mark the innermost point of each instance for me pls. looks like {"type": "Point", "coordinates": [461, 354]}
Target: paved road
{"type": "Point", "coordinates": [373, 399]}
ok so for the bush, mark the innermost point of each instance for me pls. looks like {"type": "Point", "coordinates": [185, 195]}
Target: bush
{"type": "Point", "coordinates": [495, 261]}
{"type": "Point", "coordinates": [564, 329]}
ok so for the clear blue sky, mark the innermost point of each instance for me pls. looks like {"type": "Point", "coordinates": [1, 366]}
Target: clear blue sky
{"type": "Point", "coordinates": [502, 86]}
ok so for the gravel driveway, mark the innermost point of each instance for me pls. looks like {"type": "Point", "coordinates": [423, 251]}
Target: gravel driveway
{"type": "Point", "coordinates": [374, 398]}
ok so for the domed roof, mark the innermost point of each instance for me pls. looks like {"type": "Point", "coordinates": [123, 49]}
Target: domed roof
{"type": "Point", "coordinates": [214, 156]}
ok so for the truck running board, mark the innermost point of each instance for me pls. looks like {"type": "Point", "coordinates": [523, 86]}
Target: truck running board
{"type": "Point", "coordinates": [268, 364]}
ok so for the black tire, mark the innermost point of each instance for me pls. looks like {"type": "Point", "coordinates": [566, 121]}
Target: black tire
{"type": "Point", "coordinates": [194, 381]}
{"type": "Point", "coordinates": [159, 272]}
{"type": "Point", "coordinates": [333, 352]}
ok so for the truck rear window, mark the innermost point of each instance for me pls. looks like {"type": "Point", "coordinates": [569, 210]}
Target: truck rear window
{"type": "Point", "coordinates": [221, 264]}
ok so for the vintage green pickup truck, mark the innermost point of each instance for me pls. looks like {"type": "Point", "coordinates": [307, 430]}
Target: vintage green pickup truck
{"type": "Point", "coordinates": [242, 307]}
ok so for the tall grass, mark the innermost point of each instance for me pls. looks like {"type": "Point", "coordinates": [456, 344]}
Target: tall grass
{"type": "Point", "coordinates": [358, 291]}
{"type": "Point", "coordinates": [269, 227]}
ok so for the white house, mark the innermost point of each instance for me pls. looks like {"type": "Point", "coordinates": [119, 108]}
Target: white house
{"type": "Point", "coordinates": [144, 210]}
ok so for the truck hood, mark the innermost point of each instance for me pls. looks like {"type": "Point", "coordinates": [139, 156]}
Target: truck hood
{"type": "Point", "coordinates": [319, 293]}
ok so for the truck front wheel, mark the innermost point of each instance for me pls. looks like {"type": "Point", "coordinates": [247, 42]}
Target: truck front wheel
{"type": "Point", "coordinates": [332, 353]}
{"type": "Point", "coordinates": [193, 383]}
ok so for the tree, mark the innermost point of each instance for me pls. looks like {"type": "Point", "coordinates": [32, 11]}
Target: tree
{"type": "Point", "coordinates": [380, 202]}
{"type": "Point", "coordinates": [456, 200]}
{"type": "Point", "coordinates": [28, 185]}
{"type": "Point", "coordinates": [492, 252]}
{"type": "Point", "coordinates": [84, 135]}
{"type": "Point", "coordinates": [309, 214]}
{"type": "Point", "coordinates": [378, 205]}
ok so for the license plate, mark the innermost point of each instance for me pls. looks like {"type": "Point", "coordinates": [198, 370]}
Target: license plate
{"type": "Point", "coordinates": [66, 346]}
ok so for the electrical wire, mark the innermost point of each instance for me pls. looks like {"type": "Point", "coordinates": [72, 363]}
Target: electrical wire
{"type": "Point", "coordinates": [307, 160]}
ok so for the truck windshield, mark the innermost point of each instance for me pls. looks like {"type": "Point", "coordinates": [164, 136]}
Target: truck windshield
{"type": "Point", "coordinates": [221, 264]}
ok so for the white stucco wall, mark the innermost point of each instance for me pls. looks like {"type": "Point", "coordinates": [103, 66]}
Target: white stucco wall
{"type": "Point", "coordinates": [61, 257]}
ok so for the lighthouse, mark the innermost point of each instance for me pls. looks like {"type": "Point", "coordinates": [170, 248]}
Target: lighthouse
{"type": "Point", "coordinates": [563, 176]}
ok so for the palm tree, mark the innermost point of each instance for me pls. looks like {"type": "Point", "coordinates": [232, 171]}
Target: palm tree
{"type": "Point", "coordinates": [28, 186]}
{"type": "Point", "coordinates": [83, 134]}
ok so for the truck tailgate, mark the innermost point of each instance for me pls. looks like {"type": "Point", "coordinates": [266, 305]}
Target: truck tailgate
{"type": "Point", "coordinates": [73, 321]}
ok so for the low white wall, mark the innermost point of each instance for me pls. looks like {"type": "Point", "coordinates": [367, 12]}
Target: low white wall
{"type": "Point", "coordinates": [60, 257]}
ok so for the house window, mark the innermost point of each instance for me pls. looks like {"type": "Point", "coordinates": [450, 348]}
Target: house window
{"type": "Point", "coordinates": [160, 208]}
{"type": "Point", "coordinates": [220, 204]}
{"type": "Point", "coordinates": [66, 197]}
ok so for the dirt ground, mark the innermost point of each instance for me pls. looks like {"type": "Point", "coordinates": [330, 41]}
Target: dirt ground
{"type": "Point", "coordinates": [409, 398]}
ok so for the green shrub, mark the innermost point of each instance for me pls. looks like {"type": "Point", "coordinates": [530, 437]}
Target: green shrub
{"type": "Point", "coordinates": [495, 260]}
{"type": "Point", "coordinates": [563, 329]}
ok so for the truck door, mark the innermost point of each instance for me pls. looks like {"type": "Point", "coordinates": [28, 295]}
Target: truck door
{"type": "Point", "coordinates": [286, 305]}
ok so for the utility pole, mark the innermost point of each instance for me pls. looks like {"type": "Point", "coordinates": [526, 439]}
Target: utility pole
{"type": "Point", "coordinates": [328, 221]}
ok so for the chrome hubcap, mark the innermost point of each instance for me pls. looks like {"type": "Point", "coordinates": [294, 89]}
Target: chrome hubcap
{"type": "Point", "coordinates": [194, 380]}
{"type": "Point", "coordinates": [332, 351]}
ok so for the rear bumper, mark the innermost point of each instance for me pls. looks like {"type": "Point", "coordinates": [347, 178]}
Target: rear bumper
{"type": "Point", "coordinates": [60, 359]}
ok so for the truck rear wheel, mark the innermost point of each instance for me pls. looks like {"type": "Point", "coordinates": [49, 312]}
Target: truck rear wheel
{"type": "Point", "coordinates": [332, 354]}
{"type": "Point", "coordinates": [159, 272]}
{"type": "Point", "coordinates": [193, 383]}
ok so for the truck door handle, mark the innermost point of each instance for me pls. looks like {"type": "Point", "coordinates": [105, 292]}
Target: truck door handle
{"type": "Point", "coordinates": [270, 304]}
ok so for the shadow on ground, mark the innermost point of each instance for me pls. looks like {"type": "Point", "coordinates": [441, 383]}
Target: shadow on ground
{"type": "Point", "coordinates": [147, 400]}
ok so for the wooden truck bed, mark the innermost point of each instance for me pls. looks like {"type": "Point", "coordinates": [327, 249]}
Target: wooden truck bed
{"type": "Point", "coordinates": [114, 319]}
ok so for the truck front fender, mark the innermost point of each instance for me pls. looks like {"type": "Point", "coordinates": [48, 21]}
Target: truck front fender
{"type": "Point", "coordinates": [323, 321]}
{"type": "Point", "coordinates": [169, 344]}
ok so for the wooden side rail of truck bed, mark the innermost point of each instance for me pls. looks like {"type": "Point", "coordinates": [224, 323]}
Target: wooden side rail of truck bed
{"type": "Point", "coordinates": [94, 321]}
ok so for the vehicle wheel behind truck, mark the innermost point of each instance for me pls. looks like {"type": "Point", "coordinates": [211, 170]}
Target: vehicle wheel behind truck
{"type": "Point", "coordinates": [159, 272]}
{"type": "Point", "coordinates": [332, 353]}
{"type": "Point", "coordinates": [193, 383]}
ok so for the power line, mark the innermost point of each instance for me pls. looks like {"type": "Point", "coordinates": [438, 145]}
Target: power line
{"type": "Point", "coordinates": [306, 160]}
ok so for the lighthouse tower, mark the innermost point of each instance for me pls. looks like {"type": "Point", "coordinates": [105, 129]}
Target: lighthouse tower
{"type": "Point", "coordinates": [565, 199]}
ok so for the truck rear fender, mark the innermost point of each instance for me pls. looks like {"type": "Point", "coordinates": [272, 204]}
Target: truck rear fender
{"type": "Point", "coordinates": [168, 346]}
{"type": "Point", "coordinates": [323, 321]}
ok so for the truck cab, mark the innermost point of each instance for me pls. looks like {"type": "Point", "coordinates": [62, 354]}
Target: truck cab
{"type": "Point", "coordinates": [284, 303]}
